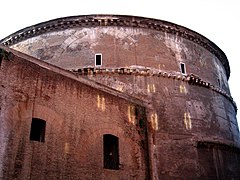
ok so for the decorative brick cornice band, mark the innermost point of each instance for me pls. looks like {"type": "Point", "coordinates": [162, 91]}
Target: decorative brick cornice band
{"type": "Point", "coordinates": [143, 71]}
{"type": "Point", "coordinates": [218, 145]}
{"type": "Point", "coordinates": [190, 78]}
{"type": "Point", "coordinates": [117, 20]}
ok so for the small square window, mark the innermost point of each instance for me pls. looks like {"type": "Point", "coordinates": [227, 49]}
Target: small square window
{"type": "Point", "coordinates": [98, 59]}
{"type": "Point", "coordinates": [183, 68]}
{"type": "Point", "coordinates": [38, 127]}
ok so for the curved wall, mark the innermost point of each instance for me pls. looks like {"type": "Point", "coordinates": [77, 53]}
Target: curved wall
{"type": "Point", "coordinates": [123, 47]}
{"type": "Point", "coordinates": [84, 33]}
{"type": "Point", "coordinates": [191, 115]}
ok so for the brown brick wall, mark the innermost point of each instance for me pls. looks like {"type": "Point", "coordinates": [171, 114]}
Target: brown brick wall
{"type": "Point", "coordinates": [123, 47]}
{"type": "Point", "coordinates": [159, 119]}
{"type": "Point", "coordinates": [77, 116]}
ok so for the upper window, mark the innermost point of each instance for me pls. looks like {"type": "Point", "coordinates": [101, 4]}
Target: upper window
{"type": "Point", "coordinates": [38, 127]}
{"type": "Point", "coordinates": [98, 59]}
{"type": "Point", "coordinates": [111, 151]}
{"type": "Point", "coordinates": [219, 82]}
{"type": "Point", "coordinates": [183, 68]}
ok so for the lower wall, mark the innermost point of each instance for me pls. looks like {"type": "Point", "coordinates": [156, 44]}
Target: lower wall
{"type": "Point", "coordinates": [218, 161]}
{"type": "Point", "coordinates": [160, 140]}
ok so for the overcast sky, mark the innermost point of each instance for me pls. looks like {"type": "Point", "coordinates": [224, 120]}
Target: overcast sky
{"type": "Point", "coordinates": [218, 20]}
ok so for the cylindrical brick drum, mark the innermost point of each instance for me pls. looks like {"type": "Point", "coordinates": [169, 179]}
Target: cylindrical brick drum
{"type": "Point", "coordinates": [180, 76]}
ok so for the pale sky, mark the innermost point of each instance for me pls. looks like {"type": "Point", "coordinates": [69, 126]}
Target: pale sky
{"type": "Point", "coordinates": [218, 20]}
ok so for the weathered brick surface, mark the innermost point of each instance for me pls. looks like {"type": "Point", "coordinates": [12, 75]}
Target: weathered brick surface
{"type": "Point", "coordinates": [189, 132]}
{"type": "Point", "coordinates": [76, 121]}
{"type": "Point", "coordinates": [124, 47]}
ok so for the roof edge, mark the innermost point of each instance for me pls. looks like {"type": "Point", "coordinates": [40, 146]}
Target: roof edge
{"type": "Point", "coordinates": [73, 76]}
{"type": "Point", "coordinates": [117, 20]}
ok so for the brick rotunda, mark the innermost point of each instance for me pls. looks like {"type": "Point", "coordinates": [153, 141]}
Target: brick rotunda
{"type": "Point", "coordinates": [115, 97]}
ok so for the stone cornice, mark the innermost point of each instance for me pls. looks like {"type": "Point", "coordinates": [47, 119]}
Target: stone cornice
{"type": "Point", "coordinates": [190, 78]}
{"type": "Point", "coordinates": [10, 55]}
{"type": "Point", "coordinates": [143, 71]}
{"type": "Point", "coordinates": [116, 20]}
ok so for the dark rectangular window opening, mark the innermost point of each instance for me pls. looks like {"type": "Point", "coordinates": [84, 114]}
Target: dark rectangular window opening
{"type": "Point", "coordinates": [183, 68]}
{"type": "Point", "coordinates": [38, 127]}
{"type": "Point", "coordinates": [219, 83]}
{"type": "Point", "coordinates": [98, 59]}
{"type": "Point", "coordinates": [111, 151]}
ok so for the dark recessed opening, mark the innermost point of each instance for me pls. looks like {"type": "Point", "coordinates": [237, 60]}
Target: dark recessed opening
{"type": "Point", "coordinates": [219, 83]}
{"type": "Point", "coordinates": [38, 127]}
{"type": "Point", "coordinates": [183, 68]}
{"type": "Point", "coordinates": [98, 59]}
{"type": "Point", "coordinates": [111, 152]}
